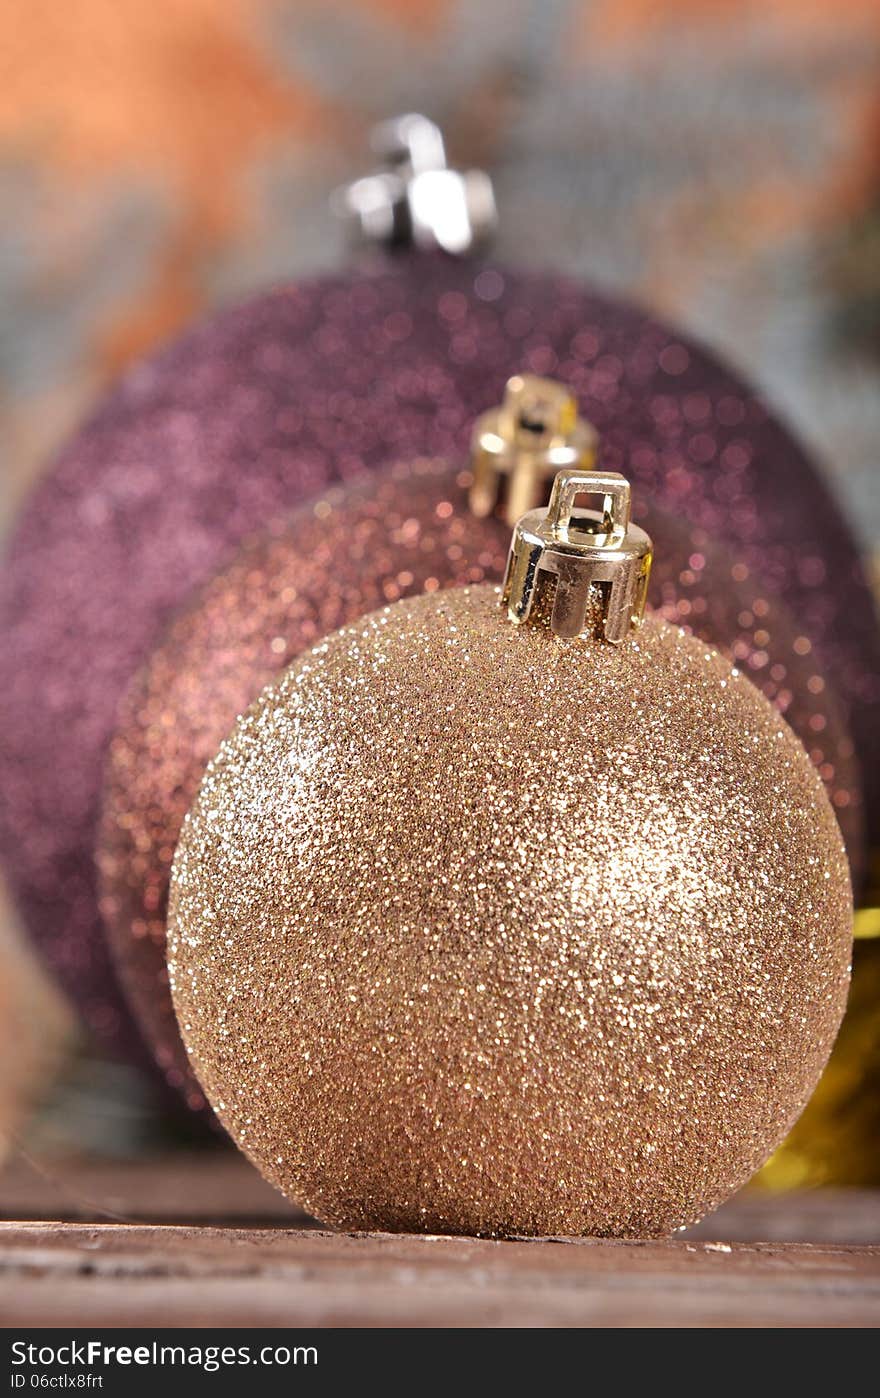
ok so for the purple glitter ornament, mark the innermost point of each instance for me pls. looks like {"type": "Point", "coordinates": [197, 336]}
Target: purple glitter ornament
{"type": "Point", "coordinates": [270, 401]}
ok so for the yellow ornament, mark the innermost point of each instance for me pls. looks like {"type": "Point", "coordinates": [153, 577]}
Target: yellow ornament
{"type": "Point", "coordinates": [513, 915]}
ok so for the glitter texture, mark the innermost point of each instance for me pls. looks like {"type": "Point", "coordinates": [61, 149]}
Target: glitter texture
{"type": "Point", "coordinates": [354, 549]}
{"type": "Point", "coordinates": [264, 404]}
{"type": "Point", "coordinates": [476, 931]}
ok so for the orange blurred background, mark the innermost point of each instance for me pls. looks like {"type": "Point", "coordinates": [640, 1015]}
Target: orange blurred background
{"type": "Point", "coordinates": [716, 158]}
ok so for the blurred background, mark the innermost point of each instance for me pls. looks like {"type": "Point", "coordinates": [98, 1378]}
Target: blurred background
{"type": "Point", "coordinates": [716, 160]}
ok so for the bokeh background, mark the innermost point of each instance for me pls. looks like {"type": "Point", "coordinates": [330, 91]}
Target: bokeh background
{"type": "Point", "coordinates": [717, 160]}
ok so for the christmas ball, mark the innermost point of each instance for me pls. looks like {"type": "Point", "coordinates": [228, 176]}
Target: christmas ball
{"type": "Point", "coordinates": [507, 929]}
{"type": "Point", "coordinates": [404, 531]}
{"type": "Point", "coordinates": [265, 403]}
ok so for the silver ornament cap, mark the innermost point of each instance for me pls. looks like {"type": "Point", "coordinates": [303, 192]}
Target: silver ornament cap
{"type": "Point", "coordinates": [416, 199]}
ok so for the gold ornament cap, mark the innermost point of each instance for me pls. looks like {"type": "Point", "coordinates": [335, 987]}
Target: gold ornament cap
{"type": "Point", "coordinates": [589, 568]}
{"type": "Point", "coordinates": [535, 432]}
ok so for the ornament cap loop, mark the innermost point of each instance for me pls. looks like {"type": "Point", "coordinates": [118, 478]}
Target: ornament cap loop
{"type": "Point", "coordinates": [535, 432]}
{"type": "Point", "coordinates": [587, 569]}
{"type": "Point", "coordinates": [415, 200]}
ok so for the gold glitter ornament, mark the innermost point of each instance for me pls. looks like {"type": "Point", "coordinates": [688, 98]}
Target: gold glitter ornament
{"type": "Point", "coordinates": [533, 928]}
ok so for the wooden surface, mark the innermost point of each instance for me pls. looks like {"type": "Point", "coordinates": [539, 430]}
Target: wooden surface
{"type": "Point", "coordinates": [228, 1252]}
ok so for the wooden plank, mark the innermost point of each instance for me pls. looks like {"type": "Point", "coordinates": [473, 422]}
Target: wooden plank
{"type": "Point", "coordinates": [118, 1274]}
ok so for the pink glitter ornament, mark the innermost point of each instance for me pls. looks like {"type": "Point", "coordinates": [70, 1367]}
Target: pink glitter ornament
{"type": "Point", "coordinates": [264, 404]}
